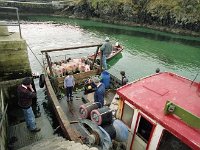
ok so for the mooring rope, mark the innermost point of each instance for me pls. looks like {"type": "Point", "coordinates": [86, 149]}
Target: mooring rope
{"type": "Point", "coordinates": [35, 56]}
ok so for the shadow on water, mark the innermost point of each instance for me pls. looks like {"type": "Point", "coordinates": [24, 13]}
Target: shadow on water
{"type": "Point", "coordinates": [114, 60]}
{"type": "Point", "coordinates": [48, 108]}
{"type": "Point", "coordinates": [152, 36]}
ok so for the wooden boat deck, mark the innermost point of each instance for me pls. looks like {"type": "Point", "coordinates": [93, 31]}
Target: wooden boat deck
{"type": "Point", "coordinates": [67, 113]}
{"type": "Point", "coordinates": [71, 108]}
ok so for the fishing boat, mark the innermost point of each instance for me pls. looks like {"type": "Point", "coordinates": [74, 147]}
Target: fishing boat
{"type": "Point", "coordinates": [68, 114]}
{"type": "Point", "coordinates": [160, 111]}
{"type": "Point", "coordinates": [116, 51]}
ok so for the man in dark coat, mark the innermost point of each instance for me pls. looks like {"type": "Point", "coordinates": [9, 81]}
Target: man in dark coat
{"type": "Point", "coordinates": [99, 93]}
{"type": "Point", "coordinates": [25, 96]}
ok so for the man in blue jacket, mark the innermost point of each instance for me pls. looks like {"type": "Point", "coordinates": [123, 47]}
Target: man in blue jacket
{"type": "Point", "coordinates": [99, 93]}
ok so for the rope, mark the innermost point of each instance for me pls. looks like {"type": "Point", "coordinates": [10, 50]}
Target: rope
{"type": "Point", "coordinates": [35, 56]}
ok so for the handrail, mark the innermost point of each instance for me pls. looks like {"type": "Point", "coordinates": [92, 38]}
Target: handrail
{"type": "Point", "coordinates": [70, 48]}
{"type": "Point", "coordinates": [17, 13]}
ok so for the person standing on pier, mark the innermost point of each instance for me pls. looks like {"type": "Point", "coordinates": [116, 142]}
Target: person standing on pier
{"type": "Point", "coordinates": [69, 83]}
{"type": "Point", "coordinates": [106, 50]}
{"type": "Point", "coordinates": [25, 96]}
{"type": "Point", "coordinates": [99, 93]}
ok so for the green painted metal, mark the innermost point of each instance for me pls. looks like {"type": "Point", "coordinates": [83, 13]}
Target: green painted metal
{"type": "Point", "coordinates": [186, 116]}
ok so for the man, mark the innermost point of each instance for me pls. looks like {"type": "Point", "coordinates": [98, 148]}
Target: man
{"type": "Point", "coordinates": [25, 95]}
{"type": "Point", "coordinates": [99, 92]}
{"type": "Point", "coordinates": [69, 83]}
{"type": "Point", "coordinates": [106, 50]}
{"type": "Point", "coordinates": [124, 79]}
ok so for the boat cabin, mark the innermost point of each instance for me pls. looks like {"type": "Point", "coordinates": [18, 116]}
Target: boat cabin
{"type": "Point", "coordinates": [162, 112]}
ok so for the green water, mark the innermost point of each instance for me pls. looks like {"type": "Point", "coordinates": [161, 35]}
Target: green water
{"type": "Point", "coordinates": [144, 49]}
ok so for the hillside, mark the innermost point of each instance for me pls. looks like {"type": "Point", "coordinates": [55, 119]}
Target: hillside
{"type": "Point", "coordinates": [178, 16]}
{"type": "Point", "coordinates": [161, 14]}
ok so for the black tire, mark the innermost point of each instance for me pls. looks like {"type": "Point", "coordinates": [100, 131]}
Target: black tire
{"type": "Point", "coordinates": [41, 81]}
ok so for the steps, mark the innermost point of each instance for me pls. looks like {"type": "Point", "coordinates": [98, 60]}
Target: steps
{"type": "Point", "coordinates": [56, 143]}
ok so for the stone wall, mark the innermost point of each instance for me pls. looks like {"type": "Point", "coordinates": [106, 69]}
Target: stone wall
{"type": "Point", "coordinates": [14, 66]}
{"type": "Point", "coordinates": [14, 62]}
{"type": "Point", "coordinates": [34, 7]}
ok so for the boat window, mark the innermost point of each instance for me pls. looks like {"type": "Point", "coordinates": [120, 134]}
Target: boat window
{"type": "Point", "coordinates": [144, 129]}
{"type": "Point", "coordinates": [127, 115]}
{"type": "Point", "coordinates": [170, 142]}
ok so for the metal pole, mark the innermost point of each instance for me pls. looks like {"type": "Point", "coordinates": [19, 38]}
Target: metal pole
{"type": "Point", "coordinates": [101, 52]}
{"type": "Point", "coordinates": [95, 56]}
{"type": "Point", "coordinates": [18, 23]}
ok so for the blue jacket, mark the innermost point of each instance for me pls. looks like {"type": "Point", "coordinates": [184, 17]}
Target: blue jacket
{"type": "Point", "coordinates": [99, 94]}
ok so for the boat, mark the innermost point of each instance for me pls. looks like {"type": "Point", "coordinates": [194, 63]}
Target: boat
{"type": "Point", "coordinates": [160, 111]}
{"type": "Point", "coordinates": [68, 114]}
{"type": "Point", "coordinates": [116, 51]}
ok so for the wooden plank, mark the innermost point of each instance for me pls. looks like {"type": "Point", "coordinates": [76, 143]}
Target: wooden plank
{"type": "Point", "coordinates": [70, 48]}
{"type": "Point", "coordinates": [79, 77]}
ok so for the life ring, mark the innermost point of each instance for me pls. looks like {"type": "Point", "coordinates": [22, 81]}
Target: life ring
{"type": "Point", "coordinates": [41, 81]}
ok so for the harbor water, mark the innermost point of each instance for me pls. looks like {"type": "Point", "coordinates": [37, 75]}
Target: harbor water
{"type": "Point", "coordinates": [144, 49]}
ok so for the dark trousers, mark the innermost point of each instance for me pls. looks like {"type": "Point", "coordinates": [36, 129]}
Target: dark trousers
{"type": "Point", "coordinates": [69, 91]}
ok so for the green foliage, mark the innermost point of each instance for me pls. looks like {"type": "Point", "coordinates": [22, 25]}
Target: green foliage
{"type": "Point", "coordinates": [180, 9]}
{"type": "Point", "coordinates": [110, 3]}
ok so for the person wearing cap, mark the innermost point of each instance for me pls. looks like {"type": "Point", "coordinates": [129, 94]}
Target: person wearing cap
{"type": "Point", "coordinates": [158, 70]}
{"type": "Point", "coordinates": [69, 83]}
{"type": "Point", "coordinates": [106, 50]}
{"type": "Point", "coordinates": [124, 79]}
{"type": "Point", "coordinates": [99, 93]}
{"type": "Point", "coordinates": [25, 96]}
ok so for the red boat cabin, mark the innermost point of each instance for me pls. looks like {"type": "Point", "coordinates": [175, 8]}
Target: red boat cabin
{"type": "Point", "coordinates": [162, 112]}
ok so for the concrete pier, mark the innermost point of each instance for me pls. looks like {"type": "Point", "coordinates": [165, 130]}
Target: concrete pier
{"type": "Point", "coordinates": [14, 66]}
{"type": "Point", "coordinates": [14, 63]}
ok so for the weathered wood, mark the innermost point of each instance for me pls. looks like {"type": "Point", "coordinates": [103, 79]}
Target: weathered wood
{"type": "Point", "coordinates": [79, 77]}
{"type": "Point", "coordinates": [70, 48]}
{"type": "Point", "coordinates": [69, 132]}
{"type": "Point", "coordinates": [95, 56]}
{"type": "Point", "coordinates": [112, 55]}
{"type": "Point", "coordinates": [49, 63]}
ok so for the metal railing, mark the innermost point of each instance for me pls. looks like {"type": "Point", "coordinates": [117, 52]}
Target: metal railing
{"type": "Point", "coordinates": [17, 14]}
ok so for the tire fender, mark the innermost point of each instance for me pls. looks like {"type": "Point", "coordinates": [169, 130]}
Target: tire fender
{"type": "Point", "coordinates": [41, 81]}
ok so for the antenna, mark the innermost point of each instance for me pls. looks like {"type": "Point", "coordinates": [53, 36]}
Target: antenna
{"type": "Point", "coordinates": [194, 79]}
